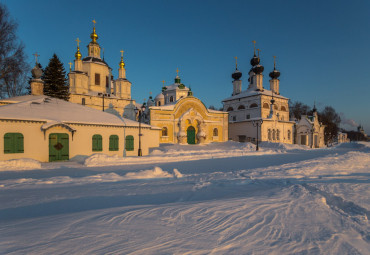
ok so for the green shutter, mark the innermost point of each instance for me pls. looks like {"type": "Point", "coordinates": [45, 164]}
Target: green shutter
{"type": "Point", "coordinates": [113, 143]}
{"type": "Point", "coordinates": [13, 143]}
{"type": "Point", "coordinates": [97, 143]}
{"type": "Point", "coordinates": [129, 143]}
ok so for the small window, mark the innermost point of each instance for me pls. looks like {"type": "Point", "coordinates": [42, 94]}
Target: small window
{"type": "Point", "coordinates": [230, 109]}
{"type": "Point", "coordinates": [159, 103]}
{"type": "Point", "coordinates": [266, 105]}
{"type": "Point", "coordinates": [13, 143]}
{"type": "Point", "coordinates": [164, 131]}
{"type": "Point", "coordinates": [269, 134]}
{"type": "Point", "coordinates": [278, 134]}
{"type": "Point", "coordinates": [129, 143]}
{"type": "Point", "coordinates": [215, 132]}
{"type": "Point", "coordinates": [97, 143]}
{"type": "Point", "coordinates": [254, 105]}
{"type": "Point", "coordinates": [113, 143]}
{"type": "Point", "coordinates": [97, 79]}
{"type": "Point", "coordinates": [83, 101]}
{"type": "Point", "coordinates": [241, 107]}
{"type": "Point", "coordinates": [234, 118]}
{"type": "Point", "coordinates": [107, 82]}
{"type": "Point", "coordinates": [171, 99]}
{"type": "Point", "coordinates": [248, 116]}
{"type": "Point", "coordinates": [288, 134]}
{"type": "Point", "coordinates": [273, 134]}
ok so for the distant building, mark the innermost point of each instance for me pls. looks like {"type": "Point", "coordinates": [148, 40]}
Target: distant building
{"type": "Point", "coordinates": [183, 118]}
{"type": "Point", "coordinates": [257, 105]}
{"type": "Point", "coordinates": [342, 138]}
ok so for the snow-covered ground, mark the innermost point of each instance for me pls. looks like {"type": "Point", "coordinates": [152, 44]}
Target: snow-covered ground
{"type": "Point", "coordinates": [215, 199]}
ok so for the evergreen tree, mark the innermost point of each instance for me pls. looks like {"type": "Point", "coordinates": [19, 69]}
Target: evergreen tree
{"type": "Point", "coordinates": [55, 81]}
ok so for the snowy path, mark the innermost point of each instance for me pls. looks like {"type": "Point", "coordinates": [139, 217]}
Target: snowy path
{"type": "Point", "coordinates": [290, 202]}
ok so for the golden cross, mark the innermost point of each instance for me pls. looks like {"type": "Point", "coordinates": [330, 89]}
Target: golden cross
{"type": "Point", "coordinates": [94, 22]}
{"type": "Point", "coordinates": [254, 46]}
{"type": "Point", "coordinates": [177, 71]}
{"type": "Point", "coordinates": [274, 62]}
{"type": "Point", "coordinates": [163, 82]}
{"type": "Point", "coordinates": [78, 42]}
{"type": "Point", "coordinates": [258, 52]}
{"type": "Point", "coordinates": [236, 62]}
{"type": "Point", "coordinates": [70, 65]}
{"type": "Point", "coordinates": [122, 53]}
{"type": "Point", "coordinates": [36, 55]}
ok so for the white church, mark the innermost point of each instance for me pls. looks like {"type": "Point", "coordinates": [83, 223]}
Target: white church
{"type": "Point", "coordinates": [263, 114]}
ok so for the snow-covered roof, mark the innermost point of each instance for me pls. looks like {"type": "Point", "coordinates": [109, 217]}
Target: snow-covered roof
{"type": "Point", "coordinates": [175, 86]}
{"type": "Point", "coordinates": [20, 99]}
{"type": "Point", "coordinates": [249, 93]}
{"type": "Point", "coordinates": [53, 111]}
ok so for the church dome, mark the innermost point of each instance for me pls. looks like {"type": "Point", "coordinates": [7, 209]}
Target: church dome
{"type": "Point", "coordinates": [258, 69]}
{"type": "Point", "coordinates": [159, 97]}
{"type": "Point", "coordinates": [236, 75]}
{"type": "Point", "coordinates": [274, 74]}
{"type": "Point", "coordinates": [255, 60]}
{"type": "Point", "coordinates": [36, 72]}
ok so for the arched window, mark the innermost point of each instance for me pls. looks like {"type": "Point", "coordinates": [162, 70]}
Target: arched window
{"type": "Point", "coordinates": [269, 134]}
{"type": "Point", "coordinates": [113, 143]}
{"type": "Point", "coordinates": [283, 108]}
{"type": "Point", "coordinates": [230, 109]}
{"type": "Point", "coordinates": [278, 135]}
{"type": "Point", "coordinates": [254, 105]}
{"type": "Point", "coordinates": [215, 132]}
{"type": "Point", "coordinates": [129, 143]}
{"type": "Point", "coordinates": [273, 134]}
{"type": "Point", "coordinates": [97, 143]}
{"type": "Point", "coordinates": [13, 143]}
{"type": "Point", "coordinates": [83, 101]}
{"type": "Point", "coordinates": [159, 103]}
{"type": "Point", "coordinates": [171, 99]}
{"type": "Point", "coordinates": [266, 105]}
{"type": "Point", "coordinates": [288, 134]}
{"type": "Point", "coordinates": [241, 107]}
{"type": "Point", "coordinates": [164, 131]}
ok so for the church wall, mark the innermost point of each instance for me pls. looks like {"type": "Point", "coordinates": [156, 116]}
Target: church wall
{"type": "Point", "coordinates": [93, 68]}
{"type": "Point", "coordinates": [36, 143]}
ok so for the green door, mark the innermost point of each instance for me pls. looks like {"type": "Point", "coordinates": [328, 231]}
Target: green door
{"type": "Point", "coordinates": [191, 135]}
{"type": "Point", "coordinates": [58, 147]}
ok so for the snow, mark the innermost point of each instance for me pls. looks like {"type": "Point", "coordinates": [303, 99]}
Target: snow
{"type": "Point", "coordinates": [54, 111]}
{"type": "Point", "coordinates": [214, 199]}
{"type": "Point", "coordinates": [19, 164]}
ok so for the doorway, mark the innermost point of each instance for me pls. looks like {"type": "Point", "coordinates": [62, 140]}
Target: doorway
{"type": "Point", "coordinates": [191, 135]}
{"type": "Point", "coordinates": [58, 147]}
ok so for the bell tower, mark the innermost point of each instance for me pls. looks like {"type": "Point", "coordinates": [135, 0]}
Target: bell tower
{"type": "Point", "coordinates": [93, 47]}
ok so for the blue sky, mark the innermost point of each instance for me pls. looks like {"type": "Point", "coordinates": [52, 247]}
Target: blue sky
{"type": "Point", "coordinates": [322, 47]}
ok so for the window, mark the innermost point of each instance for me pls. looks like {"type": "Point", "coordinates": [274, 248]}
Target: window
{"type": "Point", "coordinates": [106, 81]}
{"type": "Point", "coordinates": [266, 105]}
{"type": "Point", "coordinates": [248, 116]}
{"type": "Point", "coordinates": [215, 132]}
{"type": "Point", "coordinates": [269, 134]}
{"type": "Point", "coordinates": [273, 134]}
{"type": "Point", "coordinates": [230, 109]}
{"type": "Point", "coordinates": [83, 101]}
{"type": "Point", "coordinates": [234, 118]}
{"type": "Point", "coordinates": [97, 79]}
{"type": "Point", "coordinates": [283, 108]}
{"type": "Point", "coordinates": [278, 134]}
{"type": "Point", "coordinates": [129, 143]}
{"type": "Point", "coordinates": [164, 131]}
{"type": "Point", "coordinates": [241, 107]}
{"type": "Point", "coordinates": [254, 105]}
{"type": "Point", "coordinates": [159, 103]}
{"type": "Point", "coordinates": [97, 143]}
{"type": "Point", "coordinates": [13, 143]}
{"type": "Point", "coordinates": [113, 143]}
{"type": "Point", "coordinates": [288, 134]}
{"type": "Point", "coordinates": [171, 99]}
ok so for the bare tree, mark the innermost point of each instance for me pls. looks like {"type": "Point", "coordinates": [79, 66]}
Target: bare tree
{"type": "Point", "coordinates": [13, 66]}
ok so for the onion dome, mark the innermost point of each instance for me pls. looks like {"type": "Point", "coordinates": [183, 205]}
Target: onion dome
{"type": "Point", "coordinates": [94, 37]}
{"type": "Point", "coordinates": [258, 69]}
{"type": "Point", "coordinates": [236, 75]}
{"type": "Point", "coordinates": [78, 54]}
{"type": "Point", "coordinates": [36, 72]}
{"type": "Point", "coordinates": [121, 64]}
{"type": "Point", "coordinates": [255, 60]}
{"type": "Point", "coordinates": [177, 79]}
{"type": "Point", "coordinates": [274, 74]}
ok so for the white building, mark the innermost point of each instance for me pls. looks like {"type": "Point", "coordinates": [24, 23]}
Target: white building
{"type": "Point", "coordinates": [258, 110]}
